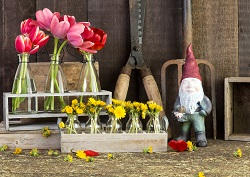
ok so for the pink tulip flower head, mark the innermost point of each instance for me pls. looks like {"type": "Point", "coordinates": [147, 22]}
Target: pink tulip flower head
{"type": "Point", "coordinates": [23, 44]}
{"type": "Point", "coordinates": [27, 26]}
{"type": "Point", "coordinates": [38, 37]}
{"type": "Point", "coordinates": [60, 26]}
{"type": "Point", "coordinates": [44, 18]}
{"type": "Point", "coordinates": [74, 34]}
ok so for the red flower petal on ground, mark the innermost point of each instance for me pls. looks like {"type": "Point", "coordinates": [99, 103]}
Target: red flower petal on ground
{"type": "Point", "coordinates": [91, 153]}
{"type": "Point", "coordinates": [179, 145]}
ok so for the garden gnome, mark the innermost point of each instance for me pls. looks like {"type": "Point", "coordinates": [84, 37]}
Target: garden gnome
{"type": "Point", "coordinates": [192, 106]}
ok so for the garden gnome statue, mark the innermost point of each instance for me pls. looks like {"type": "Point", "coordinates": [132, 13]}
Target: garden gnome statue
{"type": "Point", "coordinates": [192, 106]}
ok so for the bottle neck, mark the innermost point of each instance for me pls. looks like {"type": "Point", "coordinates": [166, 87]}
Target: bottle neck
{"type": "Point", "coordinates": [88, 57]}
{"type": "Point", "coordinates": [55, 59]}
{"type": "Point", "coordinates": [23, 57]}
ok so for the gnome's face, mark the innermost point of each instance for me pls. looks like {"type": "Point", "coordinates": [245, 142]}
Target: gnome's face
{"type": "Point", "coordinates": [191, 85]}
{"type": "Point", "coordinates": [190, 94]}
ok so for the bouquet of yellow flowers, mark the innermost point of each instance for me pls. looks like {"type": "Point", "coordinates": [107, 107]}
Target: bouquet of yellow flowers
{"type": "Point", "coordinates": [116, 111]}
{"type": "Point", "coordinates": [155, 123]}
{"type": "Point", "coordinates": [72, 124]}
{"type": "Point", "coordinates": [93, 109]}
{"type": "Point", "coordinates": [135, 110]}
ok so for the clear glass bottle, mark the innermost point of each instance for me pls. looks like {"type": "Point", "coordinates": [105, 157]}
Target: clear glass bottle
{"type": "Point", "coordinates": [156, 124]}
{"type": "Point", "coordinates": [55, 83]}
{"type": "Point", "coordinates": [93, 125]}
{"type": "Point", "coordinates": [73, 125]}
{"type": "Point", "coordinates": [134, 124]}
{"type": "Point", "coordinates": [88, 80]}
{"type": "Point", "coordinates": [24, 84]}
{"type": "Point", "coordinates": [113, 125]}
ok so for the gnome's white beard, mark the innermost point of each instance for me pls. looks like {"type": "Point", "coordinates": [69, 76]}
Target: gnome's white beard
{"type": "Point", "coordinates": [189, 100]}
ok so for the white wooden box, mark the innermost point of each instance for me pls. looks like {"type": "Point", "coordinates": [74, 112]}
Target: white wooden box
{"type": "Point", "coordinates": [118, 142]}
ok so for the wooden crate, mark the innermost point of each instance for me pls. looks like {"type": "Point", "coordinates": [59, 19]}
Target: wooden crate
{"type": "Point", "coordinates": [119, 142]}
{"type": "Point", "coordinates": [237, 104]}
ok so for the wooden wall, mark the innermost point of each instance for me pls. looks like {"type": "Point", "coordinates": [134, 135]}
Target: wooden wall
{"type": "Point", "coordinates": [215, 35]}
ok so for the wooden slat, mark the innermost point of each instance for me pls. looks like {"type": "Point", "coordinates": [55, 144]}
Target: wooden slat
{"type": "Point", "coordinates": [215, 37]}
{"type": "Point", "coordinates": [239, 137]}
{"type": "Point", "coordinates": [228, 122]}
{"type": "Point", "coordinates": [244, 35]}
{"type": "Point", "coordinates": [238, 79]}
{"type": "Point", "coordinates": [30, 141]}
{"type": "Point", "coordinates": [114, 142]}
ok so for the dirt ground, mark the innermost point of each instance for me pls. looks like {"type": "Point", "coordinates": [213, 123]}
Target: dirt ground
{"type": "Point", "coordinates": [215, 160]}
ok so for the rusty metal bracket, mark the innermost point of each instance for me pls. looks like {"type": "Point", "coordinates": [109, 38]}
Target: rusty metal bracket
{"type": "Point", "coordinates": [180, 63]}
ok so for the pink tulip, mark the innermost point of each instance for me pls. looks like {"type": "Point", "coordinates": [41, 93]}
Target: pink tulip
{"type": "Point", "coordinates": [74, 34]}
{"type": "Point", "coordinates": [27, 25]}
{"type": "Point", "coordinates": [23, 44]}
{"type": "Point", "coordinates": [38, 37]}
{"type": "Point", "coordinates": [59, 26]}
{"type": "Point", "coordinates": [44, 18]}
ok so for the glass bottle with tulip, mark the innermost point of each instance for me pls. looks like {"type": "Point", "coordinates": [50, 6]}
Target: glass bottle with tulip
{"type": "Point", "coordinates": [61, 27]}
{"type": "Point", "coordinates": [88, 42]}
{"type": "Point", "coordinates": [29, 42]}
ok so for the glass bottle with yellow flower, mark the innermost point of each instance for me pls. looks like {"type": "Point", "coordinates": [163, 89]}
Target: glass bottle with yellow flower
{"type": "Point", "coordinates": [155, 123]}
{"type": "Point", "coordinates": [116, 111]}
{"type": "Point", "coordinates": [135, 110]}
{"type": "Point", "coordinates": [73, 125]}
{"type": "Point", "coordinates": [93, 109]}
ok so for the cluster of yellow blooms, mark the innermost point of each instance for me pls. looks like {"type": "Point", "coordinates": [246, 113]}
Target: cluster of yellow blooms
{"type": "Point", "coordinates": [94, 106]}
{"type": "Point", "coordinates": [136, 108]}
{"type": "Point", "coordinates": [154, 108]}
{"type": "Point", "coordinates": [201, 174]}
{"type": "Point", "coordinates": [116, 109]}
{"type": "Point", "coordinates": [75, 108]}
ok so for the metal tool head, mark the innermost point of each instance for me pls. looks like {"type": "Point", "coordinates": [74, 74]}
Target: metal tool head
{"type": "Point", "coordinates": [137, 14]}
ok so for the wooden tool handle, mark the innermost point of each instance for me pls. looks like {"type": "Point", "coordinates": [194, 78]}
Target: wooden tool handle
{"type": "Point", "coordinates": [187, 25]}
{"type": "Point", "coordinates": [122, 84]}
{"type": "Point", "coordinates": [151, 87]}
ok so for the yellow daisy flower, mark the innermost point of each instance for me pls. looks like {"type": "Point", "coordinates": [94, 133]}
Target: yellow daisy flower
{"type": "Point", "coordinates": [201, 174]}
{"type": "Point", "coordinates": [61, 125]}
{"type": "Point", "coordinates": [81, 154]}
{"type": "Point", "coordinates": [18, 151]}
{"type": "Point", "coordinates": [119, 112]}
{"type": "Point", "coordinates": [110, 156]}
{"type": "Point", "coordinates": [69, 109]}
{"type": "Point", "coordinates": [79, 111]}
{"type": "Point", "coordinates": [74, 102]}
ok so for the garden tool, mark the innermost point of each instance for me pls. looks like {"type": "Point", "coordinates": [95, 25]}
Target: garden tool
{"type": "Point", "coordinates": [136, 61]}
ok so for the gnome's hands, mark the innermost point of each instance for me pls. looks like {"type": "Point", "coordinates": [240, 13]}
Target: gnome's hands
{"type": "Point", "coordinates": [181, 117]}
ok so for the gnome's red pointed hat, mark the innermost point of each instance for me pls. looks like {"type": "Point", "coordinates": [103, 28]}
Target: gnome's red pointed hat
{"type": "Point", "coordinates": [190, 68]}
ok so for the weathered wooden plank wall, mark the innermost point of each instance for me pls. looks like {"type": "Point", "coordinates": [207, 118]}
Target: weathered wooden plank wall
{"type": "Point", "coordinates": [244, 36]}
{"type": "Point", "coordinates": [215, 38]}
{"type": "Point", "coordinates": [215, 28]}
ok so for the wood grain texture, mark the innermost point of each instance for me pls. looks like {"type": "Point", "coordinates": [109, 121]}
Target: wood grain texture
{"type": "Point", "coordinates": [228, 108]}
{"type": "Point", "coordinates": [215, 37]}
{"type": "Point", "coordinates": [114, 142]}
{"type": "Point", "coordinates": [244, 35]}
{"type": "Point", "coordinates": [12, 13]}
{"type": "Point", "coordinates": [77, 8]}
